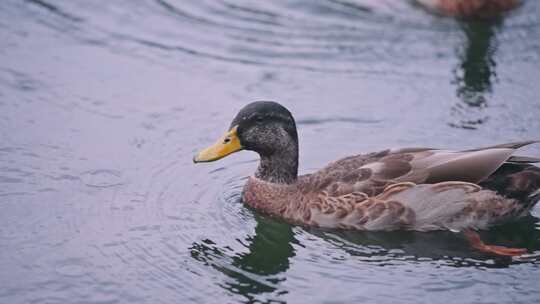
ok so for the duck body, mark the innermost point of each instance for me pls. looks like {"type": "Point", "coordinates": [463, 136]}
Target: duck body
{"type": "Point", "coordinates": [480, 9]}
{"type": "Point", "coordinates": [419, 189]}
{"type": "Point", "coordinates": [402, 190]}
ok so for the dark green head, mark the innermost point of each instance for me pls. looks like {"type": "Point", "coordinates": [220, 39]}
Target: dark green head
{"type": "Point", "coordinates": [267, 128]}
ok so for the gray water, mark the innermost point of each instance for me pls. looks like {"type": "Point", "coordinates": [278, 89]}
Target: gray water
{"type": "Point", "coordinates": [104, 103]}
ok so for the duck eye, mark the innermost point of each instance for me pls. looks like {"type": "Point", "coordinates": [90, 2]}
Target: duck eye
{"type": "Point", "coordinates": [226, 140]}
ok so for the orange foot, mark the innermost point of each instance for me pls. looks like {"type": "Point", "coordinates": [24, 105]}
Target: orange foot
{"type": "Point", "coordinates": [476, 242]}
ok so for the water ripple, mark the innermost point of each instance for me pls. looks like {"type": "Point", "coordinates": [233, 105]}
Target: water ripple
{"type": "Point", "coordinates": [101, 178]}
{"type": "Point", "coordinates": [324, 36]}
{"type": "Point", "coordinates": [100, 199]}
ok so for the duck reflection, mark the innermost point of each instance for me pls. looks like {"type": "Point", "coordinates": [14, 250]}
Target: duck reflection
{"type": "Point", "coordinates": [443, 247]}
{"type": "Point", "coordinates": [258, 274]}
{"type": "Point", "coordinates": [260, 270]}
{"type": "Point", "coordinates": [475, 74]}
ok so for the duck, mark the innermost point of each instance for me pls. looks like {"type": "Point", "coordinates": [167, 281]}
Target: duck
{"type": "Point", "coordinates": [470, 9]}
{"type": "Point", "coordinates": [420, 189]}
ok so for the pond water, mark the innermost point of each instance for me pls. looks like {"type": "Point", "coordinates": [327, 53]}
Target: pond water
{"type": "Point", "coordinates": [103, 104]}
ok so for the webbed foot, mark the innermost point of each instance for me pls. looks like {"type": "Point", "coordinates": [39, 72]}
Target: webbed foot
{"type": "Point", "coordinates": [477, 243]}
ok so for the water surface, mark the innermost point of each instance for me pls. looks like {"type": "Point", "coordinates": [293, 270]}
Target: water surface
{"type": "Point", "coordinates": [102, 106]}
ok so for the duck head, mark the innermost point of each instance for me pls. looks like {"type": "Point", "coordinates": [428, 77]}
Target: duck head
{"type": "Point", "coordinates": [265, 127]}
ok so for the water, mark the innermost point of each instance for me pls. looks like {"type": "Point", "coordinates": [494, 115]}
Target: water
{"type": "Point", "coordinates": [102, 106]}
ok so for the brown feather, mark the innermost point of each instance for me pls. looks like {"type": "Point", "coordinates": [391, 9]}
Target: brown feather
{"type": "Point", "coordinates": [419, 189]}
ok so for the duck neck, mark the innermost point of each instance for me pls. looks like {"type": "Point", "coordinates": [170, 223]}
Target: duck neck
{"type": "Point", "coordinates": [280, 167]}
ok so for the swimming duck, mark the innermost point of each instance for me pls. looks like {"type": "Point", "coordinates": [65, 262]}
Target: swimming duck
{"type": "Point", "coordinates": [420, 189]}
{"type": "Point", "coordinates": [480, 9]}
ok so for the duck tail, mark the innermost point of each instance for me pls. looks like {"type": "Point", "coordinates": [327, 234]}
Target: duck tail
{"type": "Point", "coordinates": [527, 183]}
{"type": "Point", "coordinates": [523, 159]}
{"type": "Point", "coordinates": [520, 181]}
{"type": "Point", "coordinates": [514, 145]}
{"type": "Point", "coordinates": [534, 197]}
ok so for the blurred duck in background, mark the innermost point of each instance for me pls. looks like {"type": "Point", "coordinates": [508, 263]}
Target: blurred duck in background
{"type": "Point", "coordinates": [475, 9]}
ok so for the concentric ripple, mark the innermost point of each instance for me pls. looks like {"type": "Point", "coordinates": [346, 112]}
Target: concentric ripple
{"type": "Point", "coordinates": [332, 36]}
{"type": "Point", "coordinates": [103, 104]}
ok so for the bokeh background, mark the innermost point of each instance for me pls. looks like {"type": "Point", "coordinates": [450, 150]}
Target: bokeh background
{"type": "Point", "coordinates": [104, 103]}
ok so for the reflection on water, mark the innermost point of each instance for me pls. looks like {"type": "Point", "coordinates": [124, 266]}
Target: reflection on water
{"type": "Point", "coordinates": [476, 72]}
{"type": "Point", "coordinates": [258, 271]}
{"type": "Point", "coordinates": [478, 65]}
{"type": "Point", "coordinates": [258, 274]}
{"type": "Point", "coordinates": [444, 247]}
{"type": "Point", "coordinates": [102, 105]}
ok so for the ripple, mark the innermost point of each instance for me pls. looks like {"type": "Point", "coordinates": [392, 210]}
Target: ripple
{"type": "Point", "coordinates": [72, 268]}
{"type": "Point", "coordinates": [331, 36]}
{"type": "Point", "coordinates": [10, 180]}
{"type": "Point", "coordinates": [318, 121]}
{"type": "Point", "coordinates": [152, 228]}
{"type": "Point", "coordinates": [327, 36]}
{"type": "Point", "coordinates": [19, 81]}
{"type": "Point", "coordinates": [102, 178]}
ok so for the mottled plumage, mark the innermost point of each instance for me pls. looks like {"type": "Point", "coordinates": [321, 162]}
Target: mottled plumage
{"type": "Point", "coordinates": [471, 8]}
{"type": "Point", "coordinates": [414, 189]}
{"type": "Point", "coordinates": [409, 189]}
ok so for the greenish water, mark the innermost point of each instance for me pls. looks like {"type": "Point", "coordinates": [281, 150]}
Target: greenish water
{"type": "Point", "coordinates": [102, 106]}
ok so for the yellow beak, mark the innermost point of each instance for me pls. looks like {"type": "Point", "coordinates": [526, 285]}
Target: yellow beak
{"type": "Point", "coordinates": [226, 145]}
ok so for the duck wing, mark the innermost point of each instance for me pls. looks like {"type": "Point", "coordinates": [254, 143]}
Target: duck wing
{"type": "Point", "coordinates": [465, 166]}
{"type": "Point", "coordinates": [453, 206]}
{"type": "Point", "coordinates": [372, 173]}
